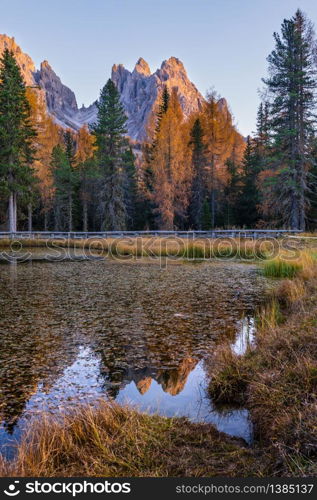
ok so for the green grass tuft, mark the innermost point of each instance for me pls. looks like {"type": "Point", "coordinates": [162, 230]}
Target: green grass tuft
{"type": "Point", "coordinates": [281, 268]}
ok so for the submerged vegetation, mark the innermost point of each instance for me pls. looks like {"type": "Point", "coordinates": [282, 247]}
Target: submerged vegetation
{"type": "Point", "coordinates": [275, 379]}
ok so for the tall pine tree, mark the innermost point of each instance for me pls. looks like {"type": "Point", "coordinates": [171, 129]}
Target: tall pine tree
{"type": "Point", "coordinates": [87, 174]}
{"type": "Point", "coordinates": [145, 203]}
{"type": "Point", "coordinates": [65, 181]}
{"type": "Point", "coordinates": [112, 147]}
{"type": "Point", "coordinates": [248, 203]}
{"type": "Point", "coordinates": [16, 137]}
{"type": "Point", "coordinates": [198, 188]}
{"type": "Point", "coordinates": [292, 85]}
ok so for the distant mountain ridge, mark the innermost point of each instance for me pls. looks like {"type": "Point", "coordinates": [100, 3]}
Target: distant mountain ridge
{"type": "Point", "coordinates": [139, 89]}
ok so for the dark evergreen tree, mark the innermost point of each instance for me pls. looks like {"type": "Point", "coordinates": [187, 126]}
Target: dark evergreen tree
{"type": "Point", "coordinates": [198, 193]}
{"type": "Point", "coordinates": [88, 178]}
{"type": "Point", "coordinates": [65, 180]}
{"type": "Point", "coordinates": [232, 193]}
{"type": "Point", "coordinates": [70, 147]}
{"type": "Point", "coordinates": [130, 188]}
{"type": "Point", "coordinates": [163, 107]}
{"type": "Point", "coordinates": [112, 147]}
{"type": "Point", "coordinates": [206, 223]}
{"type": "Point", "coordinates": [312, 191]}
{"type": "Point", "coordinates": [292, 85]}
{"type": "Point", "coordinates": [262, 137]}
{"type": "Point", "coordinates": [73, 184]}
{"type": "Point", "coordinates": [16, 138]}
{"type": "Point", "coordinates": [249, 198]}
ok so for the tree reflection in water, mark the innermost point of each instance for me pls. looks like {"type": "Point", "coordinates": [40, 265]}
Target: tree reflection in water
{"type": "Point", "coordinates": [71, 332]}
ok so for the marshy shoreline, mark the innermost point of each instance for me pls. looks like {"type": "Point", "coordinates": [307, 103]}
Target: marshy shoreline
{"type": "Point", "coordinates": [276, 380]}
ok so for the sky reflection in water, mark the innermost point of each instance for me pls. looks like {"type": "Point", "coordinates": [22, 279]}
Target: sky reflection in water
{"type": "Point", "coordinates": [75, 332]}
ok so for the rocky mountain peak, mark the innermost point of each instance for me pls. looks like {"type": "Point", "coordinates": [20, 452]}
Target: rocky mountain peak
{"type": "Point", "coordinates": [173, 64]}
{"type": "Point", "coordinates": [45, 65]}
{"type": "Point", "coordinates": [140, 91]}
{"type": "Point", "coordinates": [117, 68]}
{"type": "Point", "coordinates": [142, 67]}
{"type": "Point", "coordinates": [61, 101]}
{"type": "Point", "coordinates": [24, 61]}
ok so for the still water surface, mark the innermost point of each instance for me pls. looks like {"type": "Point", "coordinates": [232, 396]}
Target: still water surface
{"type": "Point", "coordinates": [73, 332]}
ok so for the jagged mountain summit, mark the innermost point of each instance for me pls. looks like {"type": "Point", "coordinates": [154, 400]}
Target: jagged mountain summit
{"type": "Point", "coordinates": [60, 100]}
{"type": "Point", "coordinates": [140, 91]}
{"type": "Point", "coordinates": [25, 62]}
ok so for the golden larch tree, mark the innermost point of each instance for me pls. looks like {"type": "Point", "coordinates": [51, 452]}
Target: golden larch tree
{"type": "Point", "coordinates": [48, 136]}
{"type": "Point", "coordinates": [171, 167]}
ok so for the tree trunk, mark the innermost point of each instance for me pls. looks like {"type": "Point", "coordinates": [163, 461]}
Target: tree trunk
{"type": "Point", "coordinates": [213, 208]}
{"type": "Point", "coordinates": [301, 214]}
{"type": "Point", "coordinates": [12, 225]}
{"type": "Point", "coordinates": [45, 220]}
{"type": "Point", "coordinates": [70, 212]}
{"type": "Point", "coordinates": [85, 216]}
{"type": "Point", "coordinates": [15, 210]}
{"type": "Point", "coordinates": [212, 198]}
{"type": "Point", "coordinates": [30, 214]}
{"type": "Point", "coordinates": [294, 216]}
{"type": "Point", "coordinates": [57, 217]}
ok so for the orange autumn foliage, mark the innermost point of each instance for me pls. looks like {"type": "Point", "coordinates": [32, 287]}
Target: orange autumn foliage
{"type": "Point", "coordinates": [85, 145]}
{"type": "Point", "coordinates": [48, 136]}
{"type": "Point", "coordinates": [171, 166]}
{"type": "Point", "coordinates": [222, 140]}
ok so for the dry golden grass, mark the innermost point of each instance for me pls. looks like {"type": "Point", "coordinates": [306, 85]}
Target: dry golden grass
{"type": "Point", "coordinates": [198, 249]}
{"type": "Point", "coordinates": [290, 292]}
{"type": "Point", "coordinates": [278, 378]}
{"type": "Point", "coordinates": [114, 441]}
{"type": "Point", "coordinates": [229, 377]}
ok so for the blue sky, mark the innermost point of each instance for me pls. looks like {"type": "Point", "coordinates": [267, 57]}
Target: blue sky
{"type": "Point", "coordinates": [222, 43]}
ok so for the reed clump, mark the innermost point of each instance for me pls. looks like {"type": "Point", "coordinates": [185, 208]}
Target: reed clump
{"type": "Point", "coordinates": [288, 266]}
{"type": "Point", "coordinates": [280, 268]}
{"type": "Point", "coordinates": [108, 440]}
{"type": "Point", "coordinates": [229, 377]}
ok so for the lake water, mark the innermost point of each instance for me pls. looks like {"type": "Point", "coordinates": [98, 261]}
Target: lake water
{"type": "Point", "coordinates": [73, 332]}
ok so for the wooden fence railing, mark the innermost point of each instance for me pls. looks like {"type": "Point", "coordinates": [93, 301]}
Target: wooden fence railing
{"type": "Point", "coordinates": [217, 233]}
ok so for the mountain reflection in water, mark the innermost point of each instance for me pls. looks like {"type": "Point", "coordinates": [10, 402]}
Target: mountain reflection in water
{"type": "Point", "coordinates": [73, 332]}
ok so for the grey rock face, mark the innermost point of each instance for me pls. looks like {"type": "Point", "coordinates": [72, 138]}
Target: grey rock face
{"type": "Point", "coordinates": [61, 101]}
{"type": "Point", "coordinates": [140, 91]}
